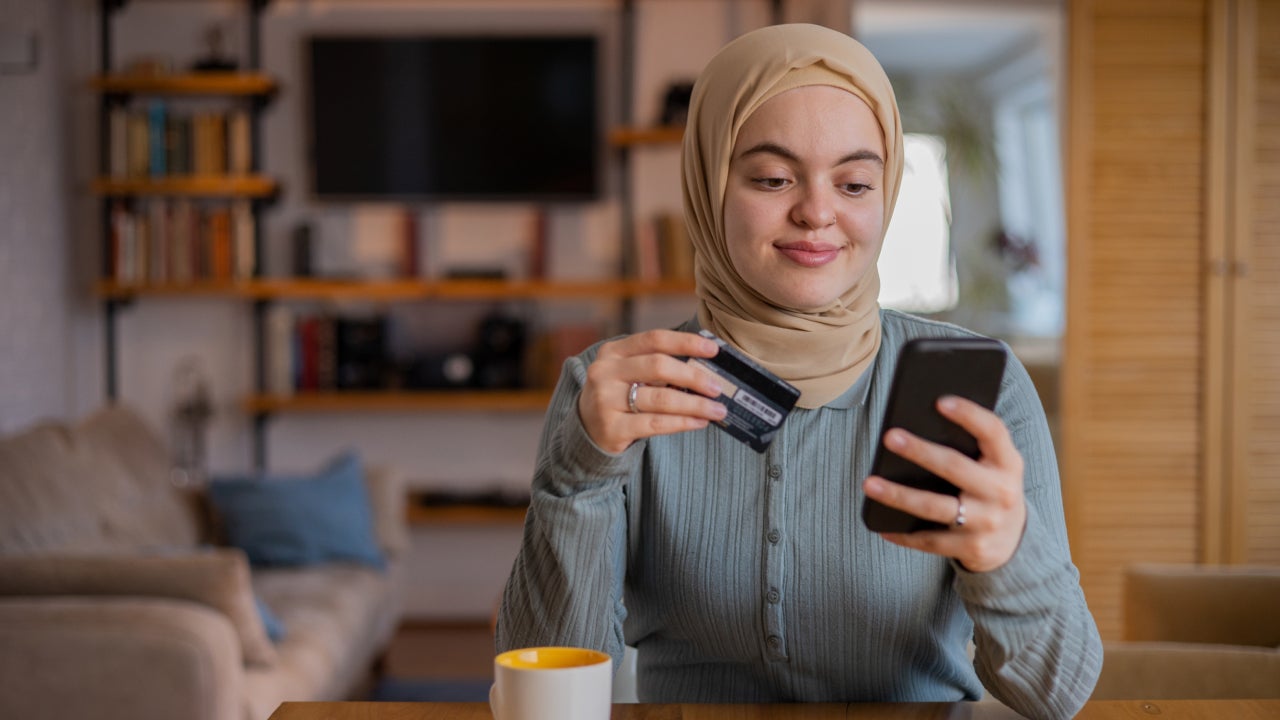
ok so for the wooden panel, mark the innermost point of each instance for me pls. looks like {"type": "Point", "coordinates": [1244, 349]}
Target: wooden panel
{"type": "Point", "coordinates": [1132, 369]}
{"type": "Point", "coordinates": [205, 83]}
{"type": "Point", "coordinates": [1258, 502]}
{"type": "Point", "coordinates": [401, 401]}
{"type": "Point", "coordinates": [190, 185]}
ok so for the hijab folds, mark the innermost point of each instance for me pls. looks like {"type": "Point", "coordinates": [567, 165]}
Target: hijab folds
{"type": "Point", "coordinates": [824, 350]}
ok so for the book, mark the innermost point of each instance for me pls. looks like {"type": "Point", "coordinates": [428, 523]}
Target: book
{"type": "Point", "coordinates": [243, 238]}
{"type": "Point", "coordinates": [177, 154]}
{"type": "Point", "coordinates": [118, 137]}
{"type": "Point", "coordinates": [157, 134]}
{"type": "Point", "coordinates": [675, 248]}
{"type": "Point", "coordinates": [161, 242]}
{"type": "Point", "coordinates": [239, 143]}
{"type": "Point", "coordinates": [279, 350]}
{"type": "Point", "coordinates": [182, 229]}
{"type": "Point", "coordinates": [647, 262]}
{"type": "Point", "coordinates": [138, 157]}
{"type": "Point", "coordinates": [220, 246]}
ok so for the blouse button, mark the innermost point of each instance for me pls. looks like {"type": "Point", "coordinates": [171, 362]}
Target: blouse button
{"type": "Point", "coordinates": [775, 471]}
{"type": "Point", "coordinates": [774, 536]}
{"type": "Point", "coordinates": [774, 596]}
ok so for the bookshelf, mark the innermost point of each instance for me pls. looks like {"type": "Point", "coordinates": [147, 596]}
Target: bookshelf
{"type": "Point", "coordinates": [129, 186]}
{"type": "Point", "coordinates": [180, 192]}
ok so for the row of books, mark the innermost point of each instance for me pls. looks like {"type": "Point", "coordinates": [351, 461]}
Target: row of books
{"type": "Point", "coordinates": [662, 248]}
{"type": "Point", "coordinates": [175, 241]}
{"type": "Point", "coordinates": [157, 140]}
{"type": "Point", "coordinates": [319, 351]}
{"type": "Point", "coordinates": [323, 351]}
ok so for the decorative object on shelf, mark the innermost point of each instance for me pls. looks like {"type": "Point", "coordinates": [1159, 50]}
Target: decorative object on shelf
{"type": "Point", "coordinates": [215, 60]}
{"type": "Point", "coordinates": [192, 410]}
{"type": "Point", "coordinates": [303, 257]}
{"type": "Point", "coordinates": [440, 371]}
{"type": "Point", "coordinates": [500, 351]}
{"type": "Point", "coordinates": [675, 104]}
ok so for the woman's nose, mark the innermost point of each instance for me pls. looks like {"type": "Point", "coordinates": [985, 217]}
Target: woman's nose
{"type": "Point", "coordinates": [814, 209]}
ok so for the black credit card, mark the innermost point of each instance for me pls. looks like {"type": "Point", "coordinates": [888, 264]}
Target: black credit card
{"type": "Point", "coordinates": [758, 401]}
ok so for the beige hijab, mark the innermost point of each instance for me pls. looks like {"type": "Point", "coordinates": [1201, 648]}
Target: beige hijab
{"type": "Point", "coordinates": [821, 351]}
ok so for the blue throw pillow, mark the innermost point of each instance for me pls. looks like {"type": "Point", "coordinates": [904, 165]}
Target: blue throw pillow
{"type": "Point", "coordinates": [292, 521]}
{"type": "Point", "coordinates": [270, 622]}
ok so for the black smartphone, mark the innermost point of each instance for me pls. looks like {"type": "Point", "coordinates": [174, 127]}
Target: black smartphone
{"type": "Point", "coordinates": [927, 369]}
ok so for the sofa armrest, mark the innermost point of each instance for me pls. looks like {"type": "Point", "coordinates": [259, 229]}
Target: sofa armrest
{"type": "Point", "coordinates": [107, 658]}
{"type": "Point", "coordinates": [216, 578]}
{"type": "Point", "coordinates": [1166, 670]}
{"type": "Point", "coordinates": [1221, 604]}
{"type": "Point", "coordinates": [387, 500]}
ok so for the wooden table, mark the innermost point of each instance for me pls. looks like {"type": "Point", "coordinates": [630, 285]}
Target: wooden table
{"type": "Point", "coordinates": [1100, 710]}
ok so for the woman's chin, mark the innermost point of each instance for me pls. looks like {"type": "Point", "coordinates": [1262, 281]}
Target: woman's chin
{"type": "Point", "coordinates": [807, 302]}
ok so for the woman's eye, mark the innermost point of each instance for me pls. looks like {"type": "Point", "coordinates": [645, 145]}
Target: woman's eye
{"type": "Point", "coordinates": [855, 188]}
{"type": "Point", "coordinates": [770, 183]}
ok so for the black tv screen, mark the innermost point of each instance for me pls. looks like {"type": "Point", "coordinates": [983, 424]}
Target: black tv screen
{"type": "Point", "coordinates": [454, 118]}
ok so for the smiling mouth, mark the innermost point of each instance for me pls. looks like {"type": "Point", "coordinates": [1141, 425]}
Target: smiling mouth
{"type": "Point", "coordinates": [808, 254]}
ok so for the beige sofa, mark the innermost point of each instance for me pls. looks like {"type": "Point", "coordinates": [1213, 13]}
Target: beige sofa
{"type": "Point", "coordinates": [113, 605]}
{"type": "Point", "coordinates": [1196, 631]}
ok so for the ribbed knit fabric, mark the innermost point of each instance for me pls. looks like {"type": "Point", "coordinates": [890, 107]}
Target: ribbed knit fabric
{"type": "Point", "coordinates": [746, 577]}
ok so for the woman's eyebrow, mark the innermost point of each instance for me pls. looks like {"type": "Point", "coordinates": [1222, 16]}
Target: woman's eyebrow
{"type": "Point", "coordinates": [773, 148]}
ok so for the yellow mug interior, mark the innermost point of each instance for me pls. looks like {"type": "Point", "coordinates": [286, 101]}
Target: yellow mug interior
{"type": "Point", "coordinates": [550, 658]}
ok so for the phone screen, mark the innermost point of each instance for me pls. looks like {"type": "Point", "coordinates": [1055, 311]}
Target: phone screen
{"type": "Point", "coordinates": [927, 369]}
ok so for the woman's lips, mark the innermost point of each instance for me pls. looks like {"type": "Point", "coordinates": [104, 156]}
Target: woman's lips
{"type": "Point", "coordinates": [809, 254]}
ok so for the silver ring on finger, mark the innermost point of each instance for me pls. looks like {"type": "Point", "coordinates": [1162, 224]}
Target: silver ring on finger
{"type": "Point", "coordinates": [631, 397]}
{"type": "Point", "coordinates": [960, 517]}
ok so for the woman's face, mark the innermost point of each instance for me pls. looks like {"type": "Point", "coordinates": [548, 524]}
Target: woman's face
{"type": "Point", "coordinates": [804, 203]}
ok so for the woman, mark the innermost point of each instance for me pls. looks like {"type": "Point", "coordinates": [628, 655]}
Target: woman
{"type": "Point", "coordinates": [746, 577]}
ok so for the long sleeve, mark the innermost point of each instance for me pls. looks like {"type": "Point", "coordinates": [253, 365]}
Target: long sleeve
{"type": "Point", "coordinates": [1038, 648]}
{"type": "Point", "coordinates": [747, 577]}
{"type": "Point", "coordinates": [566, 585]}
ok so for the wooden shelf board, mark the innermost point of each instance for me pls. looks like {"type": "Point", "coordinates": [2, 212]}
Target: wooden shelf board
{"type": "Point", "coordinates": [190, 185]}
{"type": "Point", "coordinates": [210, 83]}
{"type": "Point", "coordinates": [463, 514]}
{"type": "Point", "coordinates": [393, 290]}
{"type": "Point", "coordinates": [363, 401]}
{"type": "Point", "coordinates": [627, 136]}
{"type": "Point", "coordinates": [111, 289]}
{"type": "Point", "coordinates": [460, 289]}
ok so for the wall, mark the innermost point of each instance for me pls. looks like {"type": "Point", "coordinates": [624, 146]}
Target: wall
{"type": "Point", "coordinates": [456, 571]}
{"type": "Point", "coordinates": [40, 313]}
{"type": "Point", "coordinates": [673, 40]}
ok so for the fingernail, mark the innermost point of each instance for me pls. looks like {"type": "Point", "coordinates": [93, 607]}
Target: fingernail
{"type": "Point", "coordinates": [720, 411]}
{"type": "Point", "coordinates": [947, 402]}
{"type": "Point", "coordinates": [895, 439]}
{"type": "Point", "coordinates": [873, 486]}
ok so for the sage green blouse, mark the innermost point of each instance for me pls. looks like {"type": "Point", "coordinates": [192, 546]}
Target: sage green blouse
{"type": "Point", "coordinates": [747, 577]}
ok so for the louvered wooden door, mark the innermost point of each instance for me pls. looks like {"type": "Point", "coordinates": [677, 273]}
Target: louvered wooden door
{"type": "Point", "coordinates": [1254, 535]}
{"type": "Point", "coordinates": [1171, 372]}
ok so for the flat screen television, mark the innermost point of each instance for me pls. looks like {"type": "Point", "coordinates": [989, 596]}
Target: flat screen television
{"type": "Point", "coordinates": [454, 117]}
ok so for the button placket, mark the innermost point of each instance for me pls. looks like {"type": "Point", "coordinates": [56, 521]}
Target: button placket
{"type": "Point", "coordinates": [774, 638]}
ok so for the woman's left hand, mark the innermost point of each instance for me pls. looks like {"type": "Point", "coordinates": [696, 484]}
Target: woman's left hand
{"type": "Point", "coordinates": [994, 509]}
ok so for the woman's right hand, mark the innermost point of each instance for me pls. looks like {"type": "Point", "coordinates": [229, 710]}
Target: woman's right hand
{"type": "Point", "coordinates": [661, 403]}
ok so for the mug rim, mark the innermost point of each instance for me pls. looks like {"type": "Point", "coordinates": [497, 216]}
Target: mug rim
{"type": "Point", "coordinates": [511, 659]}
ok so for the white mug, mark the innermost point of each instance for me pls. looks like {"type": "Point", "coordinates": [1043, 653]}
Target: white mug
{"type": "Point", "coordinates": [552, 683]}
